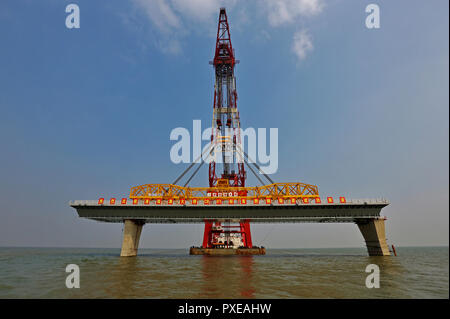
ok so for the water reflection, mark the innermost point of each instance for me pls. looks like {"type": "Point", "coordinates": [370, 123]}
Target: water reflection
{"type": "Point", "coordinates": [416, 273]}
{"type": "Point", "coordinates": [392, 274]}
{"type": "Point", "coordinates": [119, 279]}
{"type": "Point", "coordinates": [126, 276]}
{"type": "Point", "coordinates": [227, 276]}
{"type": "Point", "coordinates": [247, 288]}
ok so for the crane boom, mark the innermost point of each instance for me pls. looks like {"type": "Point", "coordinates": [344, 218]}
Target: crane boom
{"type": "Point", "coordinates": [225, 135]}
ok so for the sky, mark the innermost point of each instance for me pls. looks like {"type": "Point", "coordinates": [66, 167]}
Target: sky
{"type": "Point", "coordinates": [87, 112]}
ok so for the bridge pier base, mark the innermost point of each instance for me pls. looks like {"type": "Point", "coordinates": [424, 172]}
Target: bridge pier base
{"type": "Point", "coordinates": [131, 234]}
{"type": "Point", "coordinates": [374, 234]}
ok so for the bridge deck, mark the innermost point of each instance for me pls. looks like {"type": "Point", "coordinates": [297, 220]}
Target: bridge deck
{"type": "Point", "coordinates": [351, 211]}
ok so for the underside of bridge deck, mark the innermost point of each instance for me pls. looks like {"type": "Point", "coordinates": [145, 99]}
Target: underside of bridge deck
{"type": "Point", "coordinates": [367, 215]}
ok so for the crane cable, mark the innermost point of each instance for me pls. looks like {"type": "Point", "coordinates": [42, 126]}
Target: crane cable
{"type": "Point", "coordinates": [268, 233]}
{"type": "Point", "coordinates": [259, 168]}
{"type": "Point", "coordinates": [256, 165]}
{"type": "Point", "coordinates": [193, 163]}
{"type": "Point", "coordinates": [193, 174]}
{"type": "Point", "coordinates": [254, 173]}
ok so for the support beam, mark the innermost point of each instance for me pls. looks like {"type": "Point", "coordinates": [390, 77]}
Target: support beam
{"type": "Point", "coordinates": [131, 234]}
{"type": "Point", "coordinates": [374, 234]}
{"type": "Point", "coordinates": [246, 233]}
{"type": "Point", "coordinates": [207, 234]}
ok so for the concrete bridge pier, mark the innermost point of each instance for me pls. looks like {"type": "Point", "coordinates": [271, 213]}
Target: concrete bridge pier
{"type": "Point", "coordinates": [131, 234]}
{"type": "Point", "coordinates": [374, 234]}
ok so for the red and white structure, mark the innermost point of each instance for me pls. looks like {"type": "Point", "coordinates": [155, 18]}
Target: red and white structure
{"type": "Point", "coordinates": [225, 137]}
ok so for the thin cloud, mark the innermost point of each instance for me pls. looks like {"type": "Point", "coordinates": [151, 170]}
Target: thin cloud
{"type": "Point", "coordinates": [200, 10]}
{"type": "Point", "coordinates": [174, 19]}
{"type": "Point", "coordinates": [285, 12]}
{"type": "Point", "coordinates": [302, 44]}
{"type": "Point", "coordinates": [160, 14]}
{"type": "Point", "coordinates": [172, 46]}
{"type": "Point", "coordinates": [282, 12]}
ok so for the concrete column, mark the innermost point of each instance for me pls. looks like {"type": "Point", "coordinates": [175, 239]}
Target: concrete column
{"type": "Point", "coordinates": [375, 237]}
{"type": "Point", "coordinates": [131, 234]}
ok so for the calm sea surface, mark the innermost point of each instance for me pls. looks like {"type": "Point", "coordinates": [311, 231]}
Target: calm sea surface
{"type": "Point", "coordinates": [173, 273]}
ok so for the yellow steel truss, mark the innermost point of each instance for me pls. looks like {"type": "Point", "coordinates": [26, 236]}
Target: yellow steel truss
{"type": "Point", "coordinates": [273, 191]}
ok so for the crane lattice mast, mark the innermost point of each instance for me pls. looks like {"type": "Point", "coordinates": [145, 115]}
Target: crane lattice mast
{"type": "Point", "coordinates": [225, 136]}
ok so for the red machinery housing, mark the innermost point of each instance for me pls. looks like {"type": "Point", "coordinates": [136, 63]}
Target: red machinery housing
{"type": "Point", "coordinates": [214, 229]}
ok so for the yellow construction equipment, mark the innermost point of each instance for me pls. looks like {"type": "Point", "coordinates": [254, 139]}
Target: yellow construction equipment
{"type": "Point", "coordinates": [272, 191]}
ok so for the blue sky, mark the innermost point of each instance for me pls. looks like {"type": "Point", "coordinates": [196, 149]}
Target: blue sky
{"type": "Point", "coordinates": [88, 112]}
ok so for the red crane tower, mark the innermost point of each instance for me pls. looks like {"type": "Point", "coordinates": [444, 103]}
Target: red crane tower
{"type": "Point", "coordinates": [225, 135]}
{"type": "Point", "coordinates": [225, 127]}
